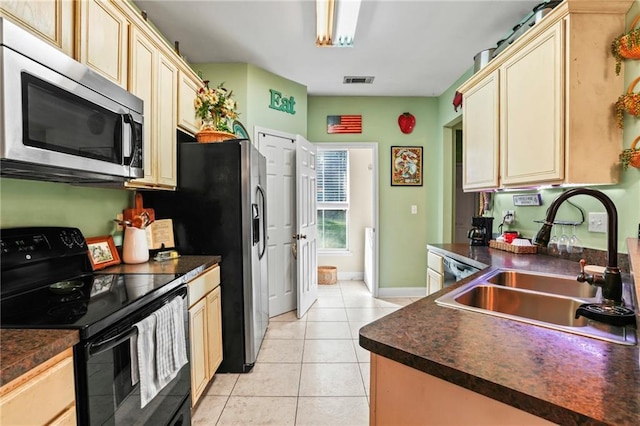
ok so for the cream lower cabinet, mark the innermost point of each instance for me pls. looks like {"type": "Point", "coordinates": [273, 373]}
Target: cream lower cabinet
{"type": "Point", "coordinates": [401, 395]}
{"type": "Point", "coordinates": [205, 330]}
{"type": "Point", "coordinates": [435, 273]}
{"type": "Point", "coordinates": [51, 20]}
{"type": "Point", "coordinates": [44, 395]}
{"type": "Point", "coordinates": [539, 112]}
{"type": "Point", "coordinates": [103, 39]}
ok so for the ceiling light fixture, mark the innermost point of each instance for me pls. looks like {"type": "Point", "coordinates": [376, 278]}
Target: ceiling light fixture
{"type": "Point", "coordinates": [336, 22]}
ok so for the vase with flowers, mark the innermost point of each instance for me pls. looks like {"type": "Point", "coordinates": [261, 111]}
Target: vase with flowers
{"type": "Point", "coordinates": [216, 108]}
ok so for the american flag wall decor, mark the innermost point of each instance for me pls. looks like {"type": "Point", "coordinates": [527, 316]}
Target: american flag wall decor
{"type": "Point", "coordinates": [344, 124]}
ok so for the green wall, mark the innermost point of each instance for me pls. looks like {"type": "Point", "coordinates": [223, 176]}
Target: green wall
{"type": "Point", "coordinates": [250, 86]}
{"type": "Point", "coordinates": [448, 120]}
{"type": "Point", "coordinates": [403, 236]}
{"type": "Point", "coordinates": [31, 203]}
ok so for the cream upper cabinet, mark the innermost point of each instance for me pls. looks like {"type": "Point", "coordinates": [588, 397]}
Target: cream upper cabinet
{"type": "Point", "coordinates": [166, 116]}
{"type": "Point", "coordinates": [51, 20]}
{"type": "Point", "coordinates": [543, 107]}
{"type": "Point", "coordinates": [154, 79]}
{"type": "Point", "coordinates": [480, 149]}
{"type": "Point", "coordinates": [187, 91]}
{"type": "Point", "coordinates": [531, 102]}
{"type": "Point", "coordinates": [103, 39]}
{"type": "Point", "coordinates": [142, 74]}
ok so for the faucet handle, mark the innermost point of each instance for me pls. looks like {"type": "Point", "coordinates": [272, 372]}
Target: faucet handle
{"type": "Point", "coordinates": [582, 276]}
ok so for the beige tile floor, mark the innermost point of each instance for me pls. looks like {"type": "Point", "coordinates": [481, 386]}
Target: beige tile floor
{"type": "Point", "coordinates": [310, 371]}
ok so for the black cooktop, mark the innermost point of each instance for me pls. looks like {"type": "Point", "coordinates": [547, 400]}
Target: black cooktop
{"type": "Point", "coordinates": [87, 303]}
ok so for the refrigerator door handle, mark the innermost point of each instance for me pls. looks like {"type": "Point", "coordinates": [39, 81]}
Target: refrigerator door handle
{"type": "Point", "coordinates": [263, 205]}
{"type": "Point", "coordinates": [256, 223]}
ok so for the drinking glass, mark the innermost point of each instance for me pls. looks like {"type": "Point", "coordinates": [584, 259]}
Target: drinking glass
{"type": "Point", "coordinates": [575, 245]}
{"type": "Point", "coordinates": [563, 241]}
{"type": "Point", "coordinates": [552, 247]}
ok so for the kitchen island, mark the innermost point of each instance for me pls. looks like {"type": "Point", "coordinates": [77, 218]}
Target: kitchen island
{"type": "Point", "coordinates": [557, 376]}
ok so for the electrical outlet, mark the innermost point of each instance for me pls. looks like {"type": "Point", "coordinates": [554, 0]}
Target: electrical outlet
{"type": "Point", "coordinates": [597, 222]}
{"type": "Point", "coordinates": [120, 217]}
{"type": "Point", "coordinates": [414, 209]}
{"type": "Point", "coordinates": [508, 217]}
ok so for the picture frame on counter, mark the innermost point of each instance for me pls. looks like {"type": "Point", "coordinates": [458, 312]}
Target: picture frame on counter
{"type": "Point", "coordinates": [406, 166]}
{"type": "Point", "coordinates": [102, 252]}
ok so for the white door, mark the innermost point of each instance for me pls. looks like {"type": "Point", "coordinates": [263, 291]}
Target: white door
{"type": "Point", "coordinates": [280, 152]}
{"type": "Point", "coordinates": [306, 229]}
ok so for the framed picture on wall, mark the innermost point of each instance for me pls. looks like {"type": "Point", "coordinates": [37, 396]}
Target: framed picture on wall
{"type": "Point", "coordinates": [406, 166]}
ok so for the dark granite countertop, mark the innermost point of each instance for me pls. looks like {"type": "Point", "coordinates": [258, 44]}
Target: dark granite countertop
{"type": "Point", "coordinates": [564, 378]}
{"type": "Point", "coordinates": [22, 350]}
{"type": "Point", "coordinates": [181, 265]}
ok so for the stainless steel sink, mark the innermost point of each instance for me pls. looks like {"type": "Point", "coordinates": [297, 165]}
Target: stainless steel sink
{"type": "Point", "coordinates": [553, 284]}
{"type": "Point", "coordinates": [535, 306]}
{"type": "Point", "coordinates": [540, 299]}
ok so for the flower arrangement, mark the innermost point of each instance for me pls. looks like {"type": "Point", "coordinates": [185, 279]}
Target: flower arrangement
{"type": "Point", "coordinates": [215, 107]}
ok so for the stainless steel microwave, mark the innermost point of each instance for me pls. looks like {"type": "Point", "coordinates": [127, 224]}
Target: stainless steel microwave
{"type": "Point", "coordinates": [61, 121]}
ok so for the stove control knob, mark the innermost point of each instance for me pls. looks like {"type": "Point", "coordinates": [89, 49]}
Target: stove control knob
{"type": "Point", "coordinates": [78, 238]}
{"type": "Point", "coordinates": [66, 239]}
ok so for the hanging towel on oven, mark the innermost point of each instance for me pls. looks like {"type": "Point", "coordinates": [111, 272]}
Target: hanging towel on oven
{"type": "Point", "coordinates": [161, 349]}
{"type": "Point", "coordinates": [171, 352]}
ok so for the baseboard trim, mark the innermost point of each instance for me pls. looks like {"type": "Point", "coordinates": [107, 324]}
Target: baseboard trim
{"type": "Point", "coordinates": [350, 276]}
{"type": "Point", "coordinates": [402, 292]}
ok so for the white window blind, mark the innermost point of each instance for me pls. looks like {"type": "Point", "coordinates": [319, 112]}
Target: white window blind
{"type": "Point", "coordinates": [333, 199]}
{"type": "Point", "coordinates": [332, 177]}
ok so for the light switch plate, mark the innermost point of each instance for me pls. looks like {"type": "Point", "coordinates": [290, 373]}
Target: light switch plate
{"type": "Point", "coordinates": [597, 222]}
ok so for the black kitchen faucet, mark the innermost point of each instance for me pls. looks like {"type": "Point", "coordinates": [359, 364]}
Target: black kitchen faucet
{"type": "Point", "coordinates": [611, 283]}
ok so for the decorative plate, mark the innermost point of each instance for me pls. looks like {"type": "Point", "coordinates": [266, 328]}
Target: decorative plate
{"type": "Point", "coordinates": [239, 130]}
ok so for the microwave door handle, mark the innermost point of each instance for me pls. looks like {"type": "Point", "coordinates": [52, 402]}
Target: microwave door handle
{"type": "Point", "coordinates": [127, 142]}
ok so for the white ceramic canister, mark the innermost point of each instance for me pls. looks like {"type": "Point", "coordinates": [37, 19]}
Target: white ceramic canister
{"type": "Point", "coordinates": [134, 247]}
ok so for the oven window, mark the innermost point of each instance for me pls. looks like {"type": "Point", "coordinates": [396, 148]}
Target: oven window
{"type": "Point", "coordinates": [106, 394]}
{"type": "Point", "coordinates": [57, 120]}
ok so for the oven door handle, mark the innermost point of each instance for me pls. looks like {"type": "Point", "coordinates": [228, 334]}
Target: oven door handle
{"type": "Point", "coordinates": [100, 347]}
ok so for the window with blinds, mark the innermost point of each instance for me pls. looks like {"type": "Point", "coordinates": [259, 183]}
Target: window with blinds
{"type": "Point", "coordinates": [333, 199]}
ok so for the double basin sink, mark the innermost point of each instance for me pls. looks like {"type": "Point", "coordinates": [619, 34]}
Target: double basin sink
{"type": "Point", "coordinates": [541, 299]}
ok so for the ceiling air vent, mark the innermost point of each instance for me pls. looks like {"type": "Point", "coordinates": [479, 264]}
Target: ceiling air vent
{"type": "Point", "coordinates": [357, 79]}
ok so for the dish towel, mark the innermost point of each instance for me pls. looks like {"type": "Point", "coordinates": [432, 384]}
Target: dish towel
{"type": "Point", "coordinates": [171, 354]}
{"type": "Point", "coordinates": [161, 349]}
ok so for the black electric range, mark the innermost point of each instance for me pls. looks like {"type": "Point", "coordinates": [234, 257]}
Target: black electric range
{"type": "Point", "coordinates": [48, 283]}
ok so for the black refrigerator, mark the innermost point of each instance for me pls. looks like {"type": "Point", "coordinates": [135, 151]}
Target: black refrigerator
{"type": "Point", "coordinates": [219, 209]}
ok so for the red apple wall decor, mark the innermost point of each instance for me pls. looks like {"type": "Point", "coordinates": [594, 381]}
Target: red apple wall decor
{"type": "Point", "coordinates": [407, 122]}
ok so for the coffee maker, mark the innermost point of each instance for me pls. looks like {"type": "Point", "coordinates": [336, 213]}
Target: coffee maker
{"type": "Point", "coordinates": [480, 233]}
